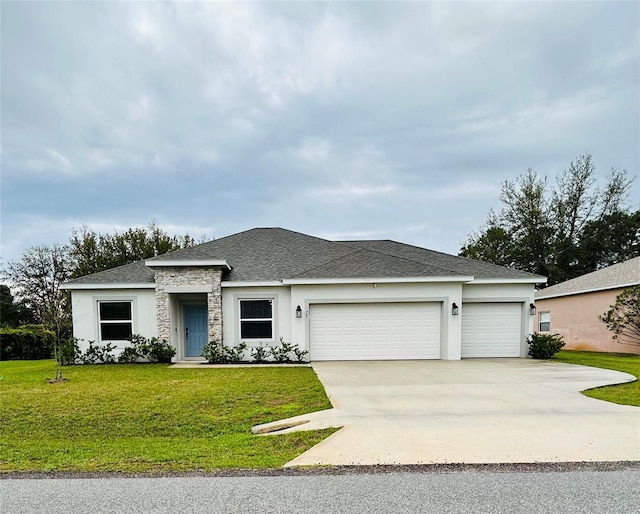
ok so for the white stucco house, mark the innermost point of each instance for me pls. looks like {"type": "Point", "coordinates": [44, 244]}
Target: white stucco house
{"type": "Point", "coordinates": [346, 300]}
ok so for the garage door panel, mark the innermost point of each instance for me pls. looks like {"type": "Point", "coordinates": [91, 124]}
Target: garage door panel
{"type": "Point", "coordinates": [491, 329]}
{"type": "Point", "coordinates": [375, 331]}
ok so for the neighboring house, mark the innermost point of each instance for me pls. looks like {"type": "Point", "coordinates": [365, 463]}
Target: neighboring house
{"type": "Point", "coordinates": [572, 308]}
{"type": "Point", "coordinates": [351, 300]}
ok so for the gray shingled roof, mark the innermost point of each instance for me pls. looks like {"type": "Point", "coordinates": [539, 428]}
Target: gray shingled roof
{"type": "Point", "coordinates": [618, 275]}
{"type": "Point", "coordinates": [458, 265]}
{"type": "Point", "coordinates": [273, 254]}
{"type": "Point", "coordinates": [264, 254]}
{"type": "Point", "coordinates": [134, 273]}
{"type": "Point", "coordinates": [367, 264]}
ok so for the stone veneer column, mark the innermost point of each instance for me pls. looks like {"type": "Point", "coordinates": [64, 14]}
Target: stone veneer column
{"type": "Point", "coordinates": [214, 303]}
{"type": "Point", "coordinates": [208, 277]}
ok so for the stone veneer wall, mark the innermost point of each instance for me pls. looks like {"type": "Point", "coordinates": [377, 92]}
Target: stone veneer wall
{"type": "Point", "coordinates": [210, 276]}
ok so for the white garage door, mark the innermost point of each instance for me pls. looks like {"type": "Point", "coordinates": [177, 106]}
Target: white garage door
{"type": "Point", "coordinates": [375, 331]}
{"type": "Point", "coordinates": [491, 329]}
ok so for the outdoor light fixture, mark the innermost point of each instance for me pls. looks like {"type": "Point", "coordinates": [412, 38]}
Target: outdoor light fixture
{"type": "Point", "coordinates": [299, 312]}
{"type": "Point", "coordinates": [455, 309]}
{"type": "Point", "coordinates": [532, 309]}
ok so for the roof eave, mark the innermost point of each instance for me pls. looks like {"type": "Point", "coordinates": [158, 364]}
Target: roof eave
{"type": "Point", "coordinates": [527, 280]}
{"type": "Point", "coordinates": [86, 286]}
{"type": "Point", "coordinates": [180, 263]}
{"type": "Point", "coordinates": [252, 283]}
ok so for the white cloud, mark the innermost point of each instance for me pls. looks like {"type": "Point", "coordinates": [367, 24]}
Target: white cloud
{"type": "Point", "coordinates": [333, 117]}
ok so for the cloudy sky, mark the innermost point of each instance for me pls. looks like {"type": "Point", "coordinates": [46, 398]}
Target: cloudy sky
{"type": "Point", "coordinates": [341, 120]}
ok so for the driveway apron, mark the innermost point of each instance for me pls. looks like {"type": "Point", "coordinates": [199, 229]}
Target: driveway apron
{"type": "Point", "coordinates": [469, 411]}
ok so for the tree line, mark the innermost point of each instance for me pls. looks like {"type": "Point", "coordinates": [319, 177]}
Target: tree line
{"type": "Point", "coordinates": [37, 276]}
{"type": "Point", "coordinates": [563, 230]}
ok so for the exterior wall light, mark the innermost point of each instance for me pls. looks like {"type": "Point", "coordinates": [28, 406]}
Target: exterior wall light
{"type": "Point", "coordinates": [298, 312]}
{"type": "Point", "coordinates": [532, 309]}
{"type": "Point", "coordinates": [455, 310]}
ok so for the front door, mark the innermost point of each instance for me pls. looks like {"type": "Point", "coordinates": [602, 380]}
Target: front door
{"type": "Point", "coordinates": [195, 329]}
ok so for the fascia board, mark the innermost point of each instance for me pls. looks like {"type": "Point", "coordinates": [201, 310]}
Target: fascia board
{"type": "Point", "coordinates": [373, 280]}
{"type": "Point", "coordinates": [509, 280]}
{"type": "Point", "coordinates": [180, 263]}
{"type": "Point", "coordinates": [257, 283]}
{"type": "Point", "coordinates": [72, 287]}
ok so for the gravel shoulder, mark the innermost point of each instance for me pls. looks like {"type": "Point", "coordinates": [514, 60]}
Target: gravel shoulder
{"type": "Point", "coordinates": [534, 467]}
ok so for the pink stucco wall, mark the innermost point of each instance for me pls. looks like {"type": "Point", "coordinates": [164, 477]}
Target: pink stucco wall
{"type": "Point", "coordinates": [575, 317]}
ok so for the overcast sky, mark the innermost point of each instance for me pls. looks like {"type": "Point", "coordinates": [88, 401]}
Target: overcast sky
{"type": "Point", "coordinates": [340, 120]}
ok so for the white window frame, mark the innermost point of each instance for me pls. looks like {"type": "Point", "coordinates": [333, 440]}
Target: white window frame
{"type": "Point", "coordinates": [114, 321]}
{"type": "Point", "coordinates": [547, 321]}
{"type": "Point", "coordinates": [271, 319]}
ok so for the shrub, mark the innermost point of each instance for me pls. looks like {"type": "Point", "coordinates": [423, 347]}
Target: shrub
{"type": "Point", "coordinates": [96, 354]}
{"type": "Point", "coordinates": [213, 352]}
{"type": "Point", "coordinates": [544, 346]}
{"type": "Point", "coordinates": [26, 342]}
{"type": "Point", "coordinates": [218, 354]}
{"type": "Point", "coordinates": [280, 353]}
{"type": "Point", "coordinates": [69, 351]}
{"type": "Point", "coordinates": [299, 354]}
{"type": "Point", "coordinates": [158, 351]}
{"type": "Point", "coordinates": [234, 353]}
{"type": "Point", "coordinates": [260, 353]}
{"type": "Point", "coordinates": [153, 350]}
{"type": "Point", "coordinates": [129, 355]}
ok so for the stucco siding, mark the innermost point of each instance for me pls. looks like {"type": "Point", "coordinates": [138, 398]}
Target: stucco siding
{"type": "Point", "coordinates": [442, 293]}
{"type": "Point", "coordinates": [85, 313]}
{"type": "Point", "coordinates": [282, 312]}
{"type": "Point", "coordinates": [575, 317]}
{"type": "Point", "coordinates": [492, 293]}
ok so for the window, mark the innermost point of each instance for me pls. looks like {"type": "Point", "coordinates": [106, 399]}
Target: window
{"type": "Point", "coordinates": [115, 319]}
{"type": "Point", "coordinates": [545, 322]}
{"type": "Point", "coordinates": [256, 319]}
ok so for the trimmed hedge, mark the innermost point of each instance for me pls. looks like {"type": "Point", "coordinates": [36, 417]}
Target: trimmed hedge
{"type": "Point", "coordinates": [544, 346]}
{"type": "Point", "coordinates": [30, 342]}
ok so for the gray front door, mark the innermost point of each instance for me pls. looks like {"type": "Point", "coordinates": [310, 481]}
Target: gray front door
{"type": "Point", "coordinates": [195, 329]}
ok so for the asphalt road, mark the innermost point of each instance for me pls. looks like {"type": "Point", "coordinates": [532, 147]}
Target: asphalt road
{"type": "Point", "coordinates": [468, 490]}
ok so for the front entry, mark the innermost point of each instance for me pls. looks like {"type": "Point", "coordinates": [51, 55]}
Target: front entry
{"type": "Point", "coordinates": [195, 329]}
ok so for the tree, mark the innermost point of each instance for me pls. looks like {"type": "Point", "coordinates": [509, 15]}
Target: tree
{"type": "Point", "coordinates": [526, 219]}
{"type": "Point", "coordinates": [91, 252]}
{"type": "Point", "coordinates": [613, 238]}
{"type": "Point", "coordinates": [37, 277]}
{"type": "Point", "coordinates": [492, 244]}
{"type": "Point", "coordinates": [554, 232]}
{"type": "Point", "coordinates": [13, 314]}
{"type": "Point", "coordinates": [623, 318]}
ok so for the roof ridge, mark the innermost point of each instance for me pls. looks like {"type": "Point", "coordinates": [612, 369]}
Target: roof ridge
{"type": "Point", "coordinates": [370, 251]}
{"type": "Point", "coordinates": [326, 262]}
{"type": "Point", "coordinates": [407, 258]}
{"type": "Point", "coordinates": [448, 255]}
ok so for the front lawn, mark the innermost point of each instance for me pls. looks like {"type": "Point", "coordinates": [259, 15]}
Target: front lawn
{"type": "Point", "coordinates": [151, 418]}
{"type": "Point", "coordinates": [624, 394]}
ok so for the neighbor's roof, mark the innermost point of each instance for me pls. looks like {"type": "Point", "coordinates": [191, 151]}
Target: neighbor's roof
{"type": "Point", "coordinates": [276, 254]}
{"type": "Point", "coordinates": [623, 274]}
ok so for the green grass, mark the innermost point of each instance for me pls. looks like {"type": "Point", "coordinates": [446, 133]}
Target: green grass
{"type": "Point", "coordinates": [624, 394]}
{"type": "Point", "coordinates": [151, 418]}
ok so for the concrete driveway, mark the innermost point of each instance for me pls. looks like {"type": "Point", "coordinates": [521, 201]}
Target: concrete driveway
{"type": "Point", "coordinates": [469, 411]}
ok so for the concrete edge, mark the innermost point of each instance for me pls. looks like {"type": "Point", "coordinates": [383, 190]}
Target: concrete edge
{"type": "Point", "coordinates": [256, 365]}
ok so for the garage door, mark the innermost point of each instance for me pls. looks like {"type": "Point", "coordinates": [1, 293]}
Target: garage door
{"type": "Point", "coordinates": [491, 329]}
{"type": "Point", "coordinates": [375, 331]}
